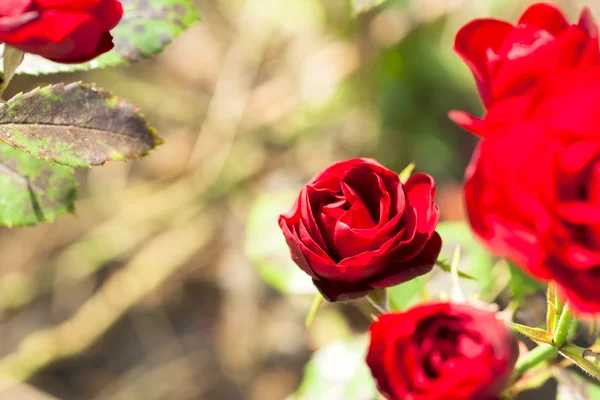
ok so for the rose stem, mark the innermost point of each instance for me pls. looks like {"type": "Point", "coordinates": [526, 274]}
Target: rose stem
{"type": "Point", "coordinates": [562, 327]}
{"type": "Point", "coordinates": [539, 354]}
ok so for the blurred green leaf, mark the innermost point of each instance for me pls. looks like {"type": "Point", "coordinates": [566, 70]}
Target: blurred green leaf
{"type": "Point", "coordinates": [361, 6]}
{"type": "Point", "coordinates": [406, 172]}
{"type": "Point", "coordinates": [407, 294]}
{"type": "Point", "coordinates": [522, 284]}
{"type": "Point", "coordinates": [536, 334]}
{"type": "Point", "coordinates": [380, 300]}
{"type": "Point", "coordinates": [76, 125]}
{"type": "Point", "coordinates": [33, 190]}
{"type": "Point", "coordinates": [488, 278]}
{"type": "Point", "coordinates": [312, 312]}
{"type": "Point", "coordinates": [585, 359]}
{"type": "Point", "coordinates": [12, 58]}
{"type": "Point", "coordinates": [266, 248]}
{"type": "Point", "coordinates": [573, 386]}
{"type": "Point", "coordinates": [338, 372]}
{"type": "Point", "coordinates": [147, 27]}
{"type": "Point", "coordinates": [445, 266]}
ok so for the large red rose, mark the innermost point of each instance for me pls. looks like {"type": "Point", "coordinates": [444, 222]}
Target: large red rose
{"type": "Point", "coordinates": [533, 188]}
{"type": "Point", "coordinates": [507, 60]}
{"type": "Point", "coordinates": [355, 227]}
{"type": "Point", "coordinates": [441, 351]}
{"type": "Point", "coordinates": [65, 31]}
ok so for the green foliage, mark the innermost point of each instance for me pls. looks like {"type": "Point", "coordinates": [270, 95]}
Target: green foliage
{"type": "Point", "coordinates": [522, 284]}
{"type": "Point", "coordinates": [33, 190]}
{"type": "Point", "coordinates": [146, 28]}
{"type": "Point", "coordinates": [476, 262]}
{"type": "Point", "coordinates": [573, 386]}
{"type": "Point", "coordinates": [12, 58]}
{"type": "Point", "coordinates": [76, 125]}
{"type": "Point", "coordinates": [266, 247]}
{"type": "Point", "coordinates": [338, 372]}
{"type": "Point", "coordinates": [361, 6]}
{"type": "Point", "coordinates": [407, 294]}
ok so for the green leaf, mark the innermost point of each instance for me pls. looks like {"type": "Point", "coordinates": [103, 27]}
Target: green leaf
{"type": "Point", "coordinates": [76, 125]}
{"type": "Point", "coordinates": [405, 174]}
{"type": "Point", "coordinates": [522, 284]}
{"type": "Point", "coordinates": [266, 248]}
{"type": "Point", "coordinates": [147, 27]}
{"type": "Point", "coordinates": [11, 58]}
{"type": "Point", "coordinates": [380, 300]}
{"type": "Point", "coordinates": [314, 307]}
{"type": "Point", "coordinates": [338, 372]}
{"type": "Point", "coordinates": [536, 334]}
{"type": "Point", "coordinates": [33, 190]}
{"type": "Point", "coordinates": [407, 294]}
{"type": "Point", "coordinates": [552, 313]}
{"type": "Point", "coordinates": [574, 386]}
{"type": "Point", "coordinates": [484, 276]}
{"type": "Point", "coordinates": [583, 358]}
{"type": "Point", "coordinates": [445, 266]}
{"type": "Point", "coordinates": [361, 6]}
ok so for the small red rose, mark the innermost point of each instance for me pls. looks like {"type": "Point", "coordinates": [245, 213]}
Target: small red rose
{"type": "Point", "coordinates": [441, 351]}
{"type": "Point", "coordinates": [355, 228]}
{"type": "Point", "coordinates": [506, 60]}
{"type": "Point", "coordinates": [65, 31]}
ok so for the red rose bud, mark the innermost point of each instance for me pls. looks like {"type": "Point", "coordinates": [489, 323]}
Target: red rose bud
{"type": "Point", "coordinates": [532, 190]}
{"type": "Point", "coordinates": [355, 227]}
{"type": "Point", "coordinates": [441, 351]}
{"type": "Point", "coordinates": [65, 31]}
{"type": "Point", "coordinates": [507, 60]}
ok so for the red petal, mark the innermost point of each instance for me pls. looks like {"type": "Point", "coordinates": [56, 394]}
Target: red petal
{"type": "Point", "coordinates": [396, 274]}
{"type": "Point", "coordinates": [108, 13]}
{"type": "Point", "coordinates": [468, 122]}
{"type": "Point", "coordinates": [10, 8]}
{"type": "Point", "coordinates": [340, 291]}
{"type": "Point", "coordinates": [588, 23]}
{"type": "Point", "coordinates": [545, 16]}
{"type": "Point", "coordinates": [472, 44]}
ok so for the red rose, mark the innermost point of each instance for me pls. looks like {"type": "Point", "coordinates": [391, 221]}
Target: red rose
{"type": "Point", "coordinates": [441, 351]}
{"type": "Point", "coordinates": [507, 60]}
{"type": "Point", "coordinates": [355, 227]}
{"type": "Point", "coordinates": [65, 31]}
{"type": "Point", "coordinates": [533, 188]}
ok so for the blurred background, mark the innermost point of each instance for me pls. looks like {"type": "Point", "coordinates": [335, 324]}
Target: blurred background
{"type": "Point", "coordinates": [172, 281]}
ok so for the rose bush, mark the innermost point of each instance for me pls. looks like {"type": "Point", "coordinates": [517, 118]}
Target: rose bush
{"type": "Point", "coordinates": [65, 31]}
{"type": "Point", "coordinates": [441, 351]}
{"type": "Point", "coordinates": [355, 227]}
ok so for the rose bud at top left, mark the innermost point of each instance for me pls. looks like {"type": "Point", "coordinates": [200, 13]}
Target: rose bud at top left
{"type": "Point", "coordinates": [65, 31]}
{"type": "Point", "coordinates": [355, 227]}
{"type": "Point", "coordinates": [442, 351]}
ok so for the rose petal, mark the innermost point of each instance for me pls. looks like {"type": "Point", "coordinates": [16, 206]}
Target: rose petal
{"type": "Point", "coordinates": [420, 265]}
{"type": "Point", "coordinates": [588, 24]}
{"type": "Point", "coordinates": [468, 122]}
{"type": "Point", "coordinates": [341, 291]}
{"type": "Point", "coordinates": [525, 63]}
{"type": "Point", "coordinates": [10, 8]}
{"type": "Point", "coordinates": [545, 16]}
{"type": "Point", "coordinates": [472, 44]}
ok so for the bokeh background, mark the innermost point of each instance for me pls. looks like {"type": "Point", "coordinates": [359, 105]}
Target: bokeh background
{"type": "Point", "coordinates": [172, 280]}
